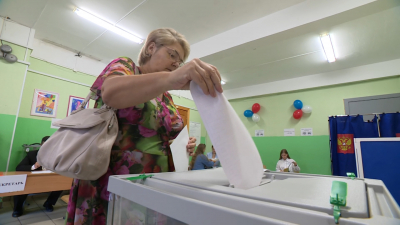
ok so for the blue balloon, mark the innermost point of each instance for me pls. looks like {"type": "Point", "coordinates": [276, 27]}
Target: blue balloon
{"type": "Point", "coordinates": [248, 113]}
{"type": "Point", "coordinates": [298, 104]}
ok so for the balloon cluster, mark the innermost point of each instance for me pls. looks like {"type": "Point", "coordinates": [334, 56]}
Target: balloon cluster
{"type": "Point", "coordinates": [300, 109]}
{"type": "Point", "coordinates": [253, 112]}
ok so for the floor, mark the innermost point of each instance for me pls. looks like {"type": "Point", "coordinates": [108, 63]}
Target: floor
{"type": "Point", "coordinates": [34, 212]}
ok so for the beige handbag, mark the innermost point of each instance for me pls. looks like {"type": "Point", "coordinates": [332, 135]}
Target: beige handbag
{"type": "Point", "coordinates": [82, 145]}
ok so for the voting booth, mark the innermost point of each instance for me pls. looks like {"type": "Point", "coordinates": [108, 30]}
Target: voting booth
{"type": "Point", "coordinates": [378, 158]}
{"type": "Point", "coordinates": [206, 197]}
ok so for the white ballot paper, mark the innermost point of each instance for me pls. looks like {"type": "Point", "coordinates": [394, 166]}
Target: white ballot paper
{"type": "Point", "coordinates": [179, 153]}
{"type": "Point", "coordinates": [234, 146]}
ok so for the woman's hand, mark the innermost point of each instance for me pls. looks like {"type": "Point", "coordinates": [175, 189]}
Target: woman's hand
{"type": "Point", "coordinates": [191, 145]}
{"type": "Point", "coordinates": [204, 74]}
{"type": "Point", "coordinates": [294, 163]}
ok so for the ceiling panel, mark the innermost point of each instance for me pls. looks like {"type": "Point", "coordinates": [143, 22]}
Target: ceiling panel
{"type": "Point", "coordinates": [22, 11]}
{"type": "Point", "coordinates": [59, 24]}
{"type": "Point", "coordinates": [199, 20]}
{"type": "Point", "coordinates": [111, 11]}
{"type": "Point", "coordinates": [110, 46]}
{"type": "Point", "coordinates": [366, 35]}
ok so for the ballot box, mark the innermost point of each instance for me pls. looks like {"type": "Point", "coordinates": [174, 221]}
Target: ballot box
{"type": "Point", "coordinates": [206, 197]}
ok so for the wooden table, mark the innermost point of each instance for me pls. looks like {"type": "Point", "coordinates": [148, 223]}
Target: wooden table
{"type": "Point", "coordinates": [40, 182]}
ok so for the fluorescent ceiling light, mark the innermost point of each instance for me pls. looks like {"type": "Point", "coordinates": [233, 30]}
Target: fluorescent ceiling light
{"type": "Point", "coordinates": [328, 48]}
{"type": "Point", "coordinates": [223, 82]}
{"type": "Point", "coordinates": [108, 25]}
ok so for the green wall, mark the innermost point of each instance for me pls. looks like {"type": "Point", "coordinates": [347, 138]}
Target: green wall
{"type": "Point", "coordinates": [11, 76]}
{"type": "Point", "coordinates": [31, 129]}
{"type": "Point", "coordinates": [312, 153]}
{"type": "Point", "coordinates": [6, 130]}
{"type": "Point", "coordinates": [305, 150]}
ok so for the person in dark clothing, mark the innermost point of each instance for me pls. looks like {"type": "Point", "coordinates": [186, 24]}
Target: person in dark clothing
{"type": "Point", "coordinates": [29, 163]}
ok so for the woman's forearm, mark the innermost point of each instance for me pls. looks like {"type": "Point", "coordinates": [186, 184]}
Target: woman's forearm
{"type": "Point", "coordinates": [126, 91]}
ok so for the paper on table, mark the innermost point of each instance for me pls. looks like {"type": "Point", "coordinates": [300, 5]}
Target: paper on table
{"type": "Point", "coordinates": [179, 152]}
{"type": "Point", "coordinates": [43, 171]}
{"type": "Point", "coordinates": [12, 183]}
{"type": "Point", "coordinates": [232, 142]}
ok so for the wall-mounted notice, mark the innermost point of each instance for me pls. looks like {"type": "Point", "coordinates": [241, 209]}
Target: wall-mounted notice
{"type": "Point", "coordinates": [12, 183]}
{"type": "Point", "coordinates": [289, 132]}
{"type": "Point", "coordinates": [195, 131]}
{"type": "Point", "coordinates": [259, 133]}
{"type": "Point", "coordinates": [306, 132]}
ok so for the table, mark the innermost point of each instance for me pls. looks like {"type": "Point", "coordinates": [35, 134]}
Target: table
{"type": "Point", "coordinates": [40, 182]}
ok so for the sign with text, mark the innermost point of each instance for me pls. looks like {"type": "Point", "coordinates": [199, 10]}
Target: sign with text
{"type": "Point", "coordinates": [306, 132]}
{"type": "Point", "coordinates": [289, 132]}
{"type": "Point", "coordinates": [12, 183]}
{"type": "Point", "coordinates": [259, 133]}
{"type": "Point", "coordinates": [195, 131]}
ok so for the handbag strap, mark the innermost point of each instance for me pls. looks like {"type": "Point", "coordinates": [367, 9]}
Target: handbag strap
{"type": "Point", "coordinates": [83, 105]}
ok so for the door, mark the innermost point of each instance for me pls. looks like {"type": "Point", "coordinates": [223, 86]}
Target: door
{"type": "Point", "coordinates": [372, 104]}
{"type": "Point", "coordinates": [185, 114]}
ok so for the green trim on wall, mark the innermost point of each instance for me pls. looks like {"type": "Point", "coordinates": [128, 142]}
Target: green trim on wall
{"type": "Point", "coordinates": [11, 76]}
{"type": "Point", "coordinates": [59, 71]}
{"type": "Point", "coordinates": [312, 153]}
{"type": "Point", "coordinates": [28, 131]}
{"type": "Point", "coordinates": [6, 130]}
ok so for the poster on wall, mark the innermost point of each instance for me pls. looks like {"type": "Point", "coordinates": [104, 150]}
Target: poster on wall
{"type": "Point", "coordinates": [289, 132]}
{"type": "Point", "coordinates": [74, 103]}
{"type": "Point", "coordinates": [259, 133]}
{"type": "Point", "coordinates": [195, 131]}
{"type": "Point", "coordinates": [306, 132]}
{"type": "Point", "coordinates": [44, 103]}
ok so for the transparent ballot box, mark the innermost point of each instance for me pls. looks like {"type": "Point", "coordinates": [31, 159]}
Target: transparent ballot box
{"type": "Point", "coordinates": [206, 197]}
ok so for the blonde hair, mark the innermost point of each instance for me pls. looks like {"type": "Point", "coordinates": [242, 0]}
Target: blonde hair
{"type": "Point", "coordinates": [163, 36]}
{"type": "Point", "coordinates": [199, 151]}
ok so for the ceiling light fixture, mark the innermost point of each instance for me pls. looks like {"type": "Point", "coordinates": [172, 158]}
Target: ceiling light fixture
{"type": "Point", "coordinates": [108, 26]}
{"type": "Point", "coordinates": [223, 82]}
{"type": "Point", "coordinates": [328, 48]}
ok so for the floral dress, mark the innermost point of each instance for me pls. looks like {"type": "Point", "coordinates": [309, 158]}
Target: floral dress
{"type": "Point", "coordinates": [142, 146]}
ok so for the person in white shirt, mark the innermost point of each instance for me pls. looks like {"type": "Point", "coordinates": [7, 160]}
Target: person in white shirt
{"type": "Point", "coordinates": [286, 164]}
{"type": "Point", "coordinates": [212, 156]}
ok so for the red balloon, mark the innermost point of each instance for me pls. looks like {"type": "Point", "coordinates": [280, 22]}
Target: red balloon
{"type": "Point", "coordinates": [256, 107]}
{"type": "Point", "coordinates": [297, 114]}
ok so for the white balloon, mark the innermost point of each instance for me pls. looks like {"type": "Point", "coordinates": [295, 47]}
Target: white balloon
{"type": "Point", "coordinates": [255, 117]}
{"type": "Point", "coordinates": [306, 109]}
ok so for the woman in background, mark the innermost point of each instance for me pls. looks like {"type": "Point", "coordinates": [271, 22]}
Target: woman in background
{"type": "Point", "coordinates": [199, 160]}
{"type": "Point", "coordinates": [213, 157]}
{"type": "Point", "coordinates": [286, 164]}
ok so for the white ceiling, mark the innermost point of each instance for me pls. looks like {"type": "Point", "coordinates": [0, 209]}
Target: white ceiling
{"type": "Point", "coordinates": [55, 21]}
{"type": "Point", "coordinates": [365, 35]}
{"type": "Point", "coordinates": [362, 32]}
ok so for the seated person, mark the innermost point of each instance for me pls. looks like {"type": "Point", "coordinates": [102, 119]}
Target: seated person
{"type": "Point", "coordinates": [199, 160]}
{"type": "Point", "coordinates": [286, 164]}
{"type": "Point", "coordinates": [29, 163]}
{"type": "Point", "coordinates": [213, 157]}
